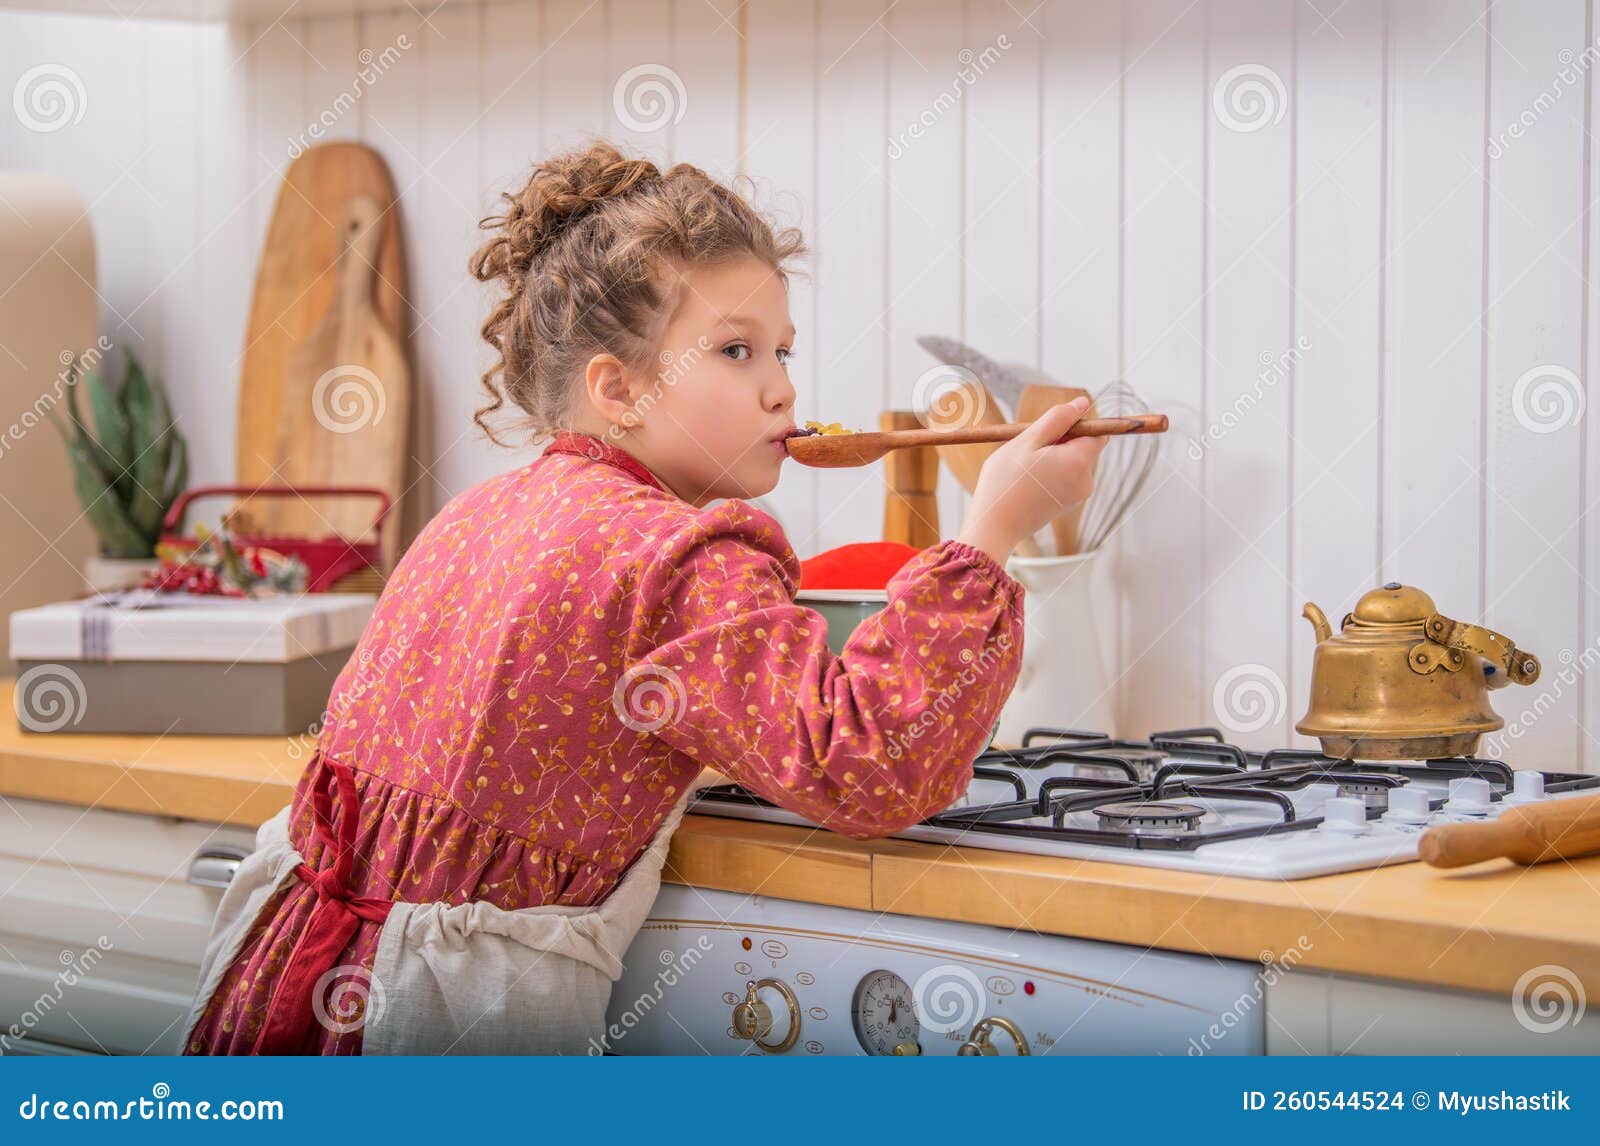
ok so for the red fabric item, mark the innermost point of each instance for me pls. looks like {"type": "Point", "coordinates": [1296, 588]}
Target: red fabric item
{"type": "Point", "coordinates": [332, 923]}
{"type": "Point", "coordinates": [862, 565]}
{"type": "Point", "coordinates": [589, 446]}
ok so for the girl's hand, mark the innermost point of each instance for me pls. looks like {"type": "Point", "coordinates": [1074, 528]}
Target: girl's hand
{"type": "Point", "coordinates": [1029, 481]}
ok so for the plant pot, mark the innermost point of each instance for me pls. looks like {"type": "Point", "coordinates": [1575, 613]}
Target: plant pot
{"type": "Point", "coordinates": [108, 574]}
{"type": "Point", "coordinates": [1064, 682]}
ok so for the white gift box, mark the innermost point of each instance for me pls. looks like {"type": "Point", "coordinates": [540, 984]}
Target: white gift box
{"type": "Point", "coordinates": [139, 661]}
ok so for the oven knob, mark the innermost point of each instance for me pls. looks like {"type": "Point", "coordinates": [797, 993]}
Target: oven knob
{"type": "Point", "coordinates": [1469, 796]}
{"type": "Point", "coordinates": [1346, 814]}
{"type": "Point", "coordinates": [1528, 788]}
{"type": "Point", "coordinates": [1408, 806]}
{"type": "Point", "coordinates": [978, 1041]}
{"type": "Point", "coordinates": [753, 1018]}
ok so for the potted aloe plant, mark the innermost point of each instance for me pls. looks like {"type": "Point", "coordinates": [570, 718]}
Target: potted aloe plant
{"type": "Point", "coordinates": [128, 470]}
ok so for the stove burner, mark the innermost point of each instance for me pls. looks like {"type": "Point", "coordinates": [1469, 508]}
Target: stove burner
{"type": "Point", "coordinates": [1372, 794]}
{"type": "Point", "coordinates": [1144, 761]}
{"type": "Point", "coordinates": [1151, 817]}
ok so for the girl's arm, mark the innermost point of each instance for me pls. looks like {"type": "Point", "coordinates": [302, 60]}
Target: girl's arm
{"type": "Point", "coordinates": [724, 666]}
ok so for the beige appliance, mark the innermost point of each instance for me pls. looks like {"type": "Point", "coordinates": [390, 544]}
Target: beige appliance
{"type": "Point", "coordinates": [48, 315]}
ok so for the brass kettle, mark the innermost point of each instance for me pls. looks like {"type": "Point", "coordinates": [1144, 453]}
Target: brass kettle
{"type": "Point", "coordinates": [1401, 681]}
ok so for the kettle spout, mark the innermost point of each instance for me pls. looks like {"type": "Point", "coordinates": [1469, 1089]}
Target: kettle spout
{"type": "Point", "coordinates": [1319, 621]}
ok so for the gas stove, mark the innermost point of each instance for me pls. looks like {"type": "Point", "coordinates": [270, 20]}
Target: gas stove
{"type": "Point", "coordinates": [1191, 801]}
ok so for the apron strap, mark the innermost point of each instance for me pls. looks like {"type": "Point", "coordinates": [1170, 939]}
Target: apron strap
{"type": "Point", "coordinates": [333, 921]}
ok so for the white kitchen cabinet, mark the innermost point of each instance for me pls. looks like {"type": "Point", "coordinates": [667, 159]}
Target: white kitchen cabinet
{"type": "Point", "coordinates": [101, 928]}
{"type": "Point", "coordinates": [1318, 1012]}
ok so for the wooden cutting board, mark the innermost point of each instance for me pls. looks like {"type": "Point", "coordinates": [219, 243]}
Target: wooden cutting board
{"type": "Point", "coordinates": [325, 392]}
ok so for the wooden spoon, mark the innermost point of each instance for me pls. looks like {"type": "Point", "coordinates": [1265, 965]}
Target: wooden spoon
{"type": "Point", "coordinates": [840, 451]}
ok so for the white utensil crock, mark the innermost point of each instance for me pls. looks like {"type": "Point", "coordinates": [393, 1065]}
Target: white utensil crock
{"type": "Point", "coordinates": [1064, 682]}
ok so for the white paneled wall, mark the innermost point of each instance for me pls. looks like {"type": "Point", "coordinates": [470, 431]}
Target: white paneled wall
{"type": "Point", "coordinates": [1283, 222]}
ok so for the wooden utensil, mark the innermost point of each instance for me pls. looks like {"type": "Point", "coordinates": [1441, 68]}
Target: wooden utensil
{"type": "Point", "coordinates": [978, 408]}
{"type": "Point", "coordinates": [295, 294]}
{"type": "Point", "coordinates": [840, 451]}
{"type": "Point", "coordinates": [346, 393]}
{"type": "Point", "coordinates": [1035, 400]}
{"type": "Point", "coordinates": [1526, 833]}
{"type": "Point", "coordinates": [965, 460]}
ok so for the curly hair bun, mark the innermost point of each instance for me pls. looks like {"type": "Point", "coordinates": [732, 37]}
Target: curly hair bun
{"type": "Point", "coordinates": [559, 191]}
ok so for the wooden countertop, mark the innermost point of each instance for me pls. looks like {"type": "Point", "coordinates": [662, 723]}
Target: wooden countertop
{"type": "Point", "coordinates": [1479, 928]}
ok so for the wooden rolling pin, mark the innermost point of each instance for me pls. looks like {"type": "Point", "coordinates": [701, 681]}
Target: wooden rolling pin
{"type": "Point", "coordinates": [1526, 833]}
{"type": "Point", "coordinates": [835, 451]}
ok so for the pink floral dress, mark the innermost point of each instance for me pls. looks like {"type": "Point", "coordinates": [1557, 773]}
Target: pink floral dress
{"type": "Point", "coordinates": [552, 663]}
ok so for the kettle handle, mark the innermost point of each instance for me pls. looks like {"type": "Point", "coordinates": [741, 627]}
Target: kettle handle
{"type": "Point", "coordinates": [1518, 665]}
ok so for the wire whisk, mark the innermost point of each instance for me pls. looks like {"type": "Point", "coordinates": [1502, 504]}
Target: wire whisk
{"type": "Point", "coordinates": [1124, 467]}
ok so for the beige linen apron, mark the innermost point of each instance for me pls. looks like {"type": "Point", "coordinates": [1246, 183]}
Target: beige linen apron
{"type": "Point", "coordinates": [468, 978]}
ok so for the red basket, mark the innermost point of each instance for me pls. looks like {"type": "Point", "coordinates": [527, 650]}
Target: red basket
{"type": "Point", "coordinates": [329, 560]}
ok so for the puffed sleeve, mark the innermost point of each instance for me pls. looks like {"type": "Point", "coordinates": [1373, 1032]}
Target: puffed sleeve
{"type": "Point", "coordinates": [722, 664]}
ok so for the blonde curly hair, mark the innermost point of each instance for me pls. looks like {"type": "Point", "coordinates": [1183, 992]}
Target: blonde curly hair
{"type": "Point", "coordinates": [591, 252]}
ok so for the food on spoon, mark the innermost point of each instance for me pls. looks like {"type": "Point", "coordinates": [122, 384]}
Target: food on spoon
{"type": "Point", "coordinates": [813, 428]}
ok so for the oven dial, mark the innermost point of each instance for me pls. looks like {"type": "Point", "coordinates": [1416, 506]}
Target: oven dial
{"type": "Point", "coordinates": [1529, 788]}
{"type": "Point", "coordinates": [1346, 815]}
{"type": "Point", "coordinates": [754, 1019]}
{"type": "Point", "coordinates": [1469, 796]}
{"type": "Point", "coordinates": [978, 1041]}
{"type": "Point", "coordinates": [1408, 806]}
{"type": "Point", "coordinates": [884, 1013]}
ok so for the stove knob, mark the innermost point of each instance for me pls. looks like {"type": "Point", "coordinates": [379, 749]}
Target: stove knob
{"type": "Point", "coordinates": [1347, 814]}
{"type": "Point", "coordinates": [1408, 806]}
{"type": "Point", "coordinates": [753, 1018]}
{"type": "Point", "coordinates": [1469, 796]}
{"type": "Point", "coordinates": [978, 1041]}
{"type": "Point", "coordinates": [1528, 788]}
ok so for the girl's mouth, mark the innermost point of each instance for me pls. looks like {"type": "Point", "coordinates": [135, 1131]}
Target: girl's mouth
{"type": "Point", "coordinates": [791, 432]}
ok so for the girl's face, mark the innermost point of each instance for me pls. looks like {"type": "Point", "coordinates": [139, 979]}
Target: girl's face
{"type": "Point", "coordinates": [710, 421]}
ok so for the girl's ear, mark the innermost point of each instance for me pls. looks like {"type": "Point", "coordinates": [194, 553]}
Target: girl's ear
{"type": "Point", "coordinates": [606, 381]}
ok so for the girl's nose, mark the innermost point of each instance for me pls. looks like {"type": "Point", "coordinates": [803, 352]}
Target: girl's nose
{"type": "Point", "coordinates": [781, 394]}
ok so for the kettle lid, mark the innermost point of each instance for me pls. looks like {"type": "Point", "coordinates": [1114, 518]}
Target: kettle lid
{"type": "Point", "coordinates": [1394, 604]}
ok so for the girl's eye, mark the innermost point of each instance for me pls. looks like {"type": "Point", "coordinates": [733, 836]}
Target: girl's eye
{"type": "Point", "coordinates": [785, 355]}
{"type": "Point", "coordinates": [733, 351]}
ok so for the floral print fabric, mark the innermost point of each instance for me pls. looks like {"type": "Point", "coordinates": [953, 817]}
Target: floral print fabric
{"type": "Point", "coordinates": [561, 651]}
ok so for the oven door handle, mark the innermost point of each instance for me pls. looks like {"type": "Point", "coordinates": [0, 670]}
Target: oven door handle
{"type": "Point", "coordinates": [216, 865]}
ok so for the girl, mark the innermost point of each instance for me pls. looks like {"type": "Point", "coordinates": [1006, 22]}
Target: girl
{"type": "Point", "coordinates": [481, 829]}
